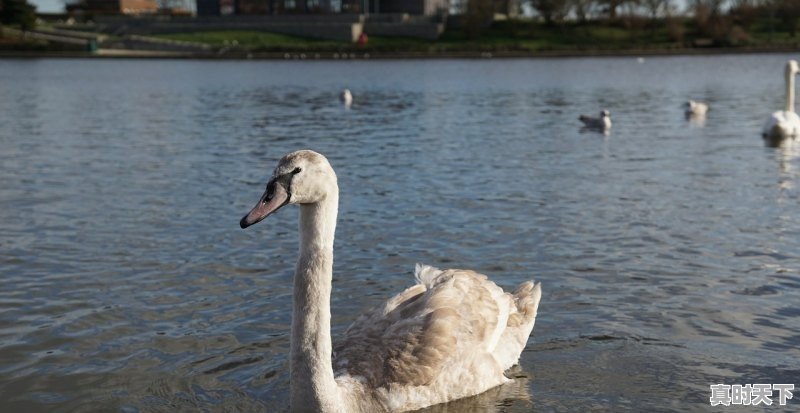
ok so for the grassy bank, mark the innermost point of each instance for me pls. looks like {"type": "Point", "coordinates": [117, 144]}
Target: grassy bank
{"type": "Point", "coordinates": [520, 36]}
{"type": "Point", "coordinates": [504, 38]}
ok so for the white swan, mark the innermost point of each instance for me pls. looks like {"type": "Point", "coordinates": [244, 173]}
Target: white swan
{"type": "Point", "coordinates": [785, 123]}
{"type": "Point", "coordinates": [451, 335]}
{"type": "Point", "coordinates": [346, 97]}
{"type": "Point", "coordinates": [694, 108]}
{"type": "Point", "coordinates": [600, 123]}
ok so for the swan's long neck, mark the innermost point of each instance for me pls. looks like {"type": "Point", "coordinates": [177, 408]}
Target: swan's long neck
{"type": "Point", "coordinates": [789, 90]}
{"type": "Point", "coordinates": [313, 387]}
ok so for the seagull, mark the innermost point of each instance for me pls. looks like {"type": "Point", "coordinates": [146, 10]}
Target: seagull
{"type": "Point", "coordinates": [602, 123]}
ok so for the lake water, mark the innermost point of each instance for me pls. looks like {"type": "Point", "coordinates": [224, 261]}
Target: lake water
{"type": "Point", "coordinates": [669, 252]}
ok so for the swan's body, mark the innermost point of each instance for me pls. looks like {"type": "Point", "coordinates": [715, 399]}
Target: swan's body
{"type": "Point", "coordinates": [603, 122]}
{"type": "Point", "coordinates": [694, 108]}
{"type": "Point", "coordinates": [451, 335]}
{"type": "Point", "coordinates": [782, 125]}
{"type": "Point", "coordinates": [785, 123]}
{"type": "Point", "coordinates": [346, 97]}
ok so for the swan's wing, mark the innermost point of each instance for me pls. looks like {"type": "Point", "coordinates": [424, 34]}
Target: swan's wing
{"type": "Point", "coordinates": [771, 123]}
{"type": "Point", "coordinates": [782, 124]}
{"type": "Point", "coordinates": [445, 318]}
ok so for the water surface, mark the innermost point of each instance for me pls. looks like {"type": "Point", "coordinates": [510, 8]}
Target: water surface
{"type": "Point", "coordinates": [669, 252]}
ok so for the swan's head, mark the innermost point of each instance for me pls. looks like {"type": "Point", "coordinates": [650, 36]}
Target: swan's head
{"type": "Point", "coordinates": [605, 114]}
{"type": "Point", "coordinates": [690, 104]}
{"type": "Point", "coordinates": [792, 68]}
{"type": "Point", "coordinates": [302, 177]}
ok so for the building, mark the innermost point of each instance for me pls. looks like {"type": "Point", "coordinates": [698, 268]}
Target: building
{"type": "Point", "coordinates": [275, 7]}
{"type": "Point", "coordinates": [413, 7]}
{"type": "Point", "coordinates": [209, 8]}
{"type": "Point", "coordinates": [118, 6]}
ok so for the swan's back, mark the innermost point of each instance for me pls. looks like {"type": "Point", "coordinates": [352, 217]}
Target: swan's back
{"type": "Point", "coordinates": [782, 124]}
{"type": "Point", "coordinates": [450, 336]}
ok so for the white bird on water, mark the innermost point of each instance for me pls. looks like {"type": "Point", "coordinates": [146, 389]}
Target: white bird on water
{"type": "Point", "coordinates": [603, 122]}
{"type": "Point", "coordinates": [346, 97]}
{"type": "Point", "coordinates": [785, 123]}
{"type": "Point", "coordinates": [694, 108]}
{"type": "Point", "coordinates": [451, 335]}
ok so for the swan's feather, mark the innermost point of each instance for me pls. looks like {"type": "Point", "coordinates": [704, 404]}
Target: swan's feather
{"type": "Point", "coordinates": [425, 274]}
{"type": "Point", "coordinates": [451, 335]}
{"type": "Point", "coordinates": [694, 108]}
{"type": "Point", "coordinates": [782, 124]}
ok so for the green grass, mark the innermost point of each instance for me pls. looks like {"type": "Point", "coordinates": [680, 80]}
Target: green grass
{"type": "Point", "coordinates": [262, 41]}
{"type": "Point", "coordinates": [254, 40]}
{"type": "Point", "coordinates": [514, 36]}
{"type": "Point", "coordinates": [13, 43]}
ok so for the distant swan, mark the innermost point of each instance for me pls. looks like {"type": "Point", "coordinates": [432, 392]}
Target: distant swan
{"type": "Point", "coordinates": [451, 335]}
{"type": "Point", "coordinates": [600, 123]}
{"type": "Point", "coordinates": [695, 108]}
{"type": "Point", "coordinates": [346, 97]}
{"type": "Point", "coordinates": [785, 123]}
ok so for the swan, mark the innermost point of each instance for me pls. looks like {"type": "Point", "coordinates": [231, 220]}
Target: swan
{"type": "Point", "coordinates": [785, 123]}
{"type": "Point", "coordinates": [346, 97]}
{"type": "Point", "coordinates": [600, 123]}
{"type": "Point", "coordinates": [451, 335]}
{"type": "Point", "coordinates": [694, 108]}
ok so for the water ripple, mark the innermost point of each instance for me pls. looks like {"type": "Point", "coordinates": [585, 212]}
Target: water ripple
{"type": "Point", "coordinates": [668, 251]}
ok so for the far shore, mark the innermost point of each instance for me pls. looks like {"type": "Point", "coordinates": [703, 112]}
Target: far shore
{"type": "Point", "coordinates": [384, 55]}
{"type": "Point", "coordinates": [520, 38]}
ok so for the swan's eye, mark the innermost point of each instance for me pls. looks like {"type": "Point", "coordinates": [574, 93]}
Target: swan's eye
{"type": "Point", "coordinates": [296, 171]}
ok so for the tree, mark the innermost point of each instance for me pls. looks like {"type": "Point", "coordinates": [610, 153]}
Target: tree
{"type": "Point", "coordinates": [656, 8]}
{"type": "Point", "coordinates": [711, 7]}
{"type": "Point", "coordinates": [18, 12]}
{"type": "Point", "coordinates": [612, 7]}
{"type": "Point", "coordinates": [582, 9]}
{"type": "Point", "coordinates": [746, 13]}
{"type": "Point", "coordinates": [551, 10]}
{"type": "Point", "coordinates": [478, 17]}
{"type": "Point", "coordinates": [709, 19]}
{"type": "Point", "coordinates": [789, 12]}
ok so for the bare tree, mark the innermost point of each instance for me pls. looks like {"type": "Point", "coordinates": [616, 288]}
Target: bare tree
{"type": "Point", "coordinates": [583, 9]}
{"type": "Point", "coordinates": [657, 8]}
{"type": "Point", "coordinates": [508, 7]}
{"type": "Point", "coordinates": [551, 10]}
{"type": "Point", "coordinates": [709, 19]}
{"type": "Point", "coordinates": [612, 6]}
{"type": "Point", "coordinates": [713, 7]}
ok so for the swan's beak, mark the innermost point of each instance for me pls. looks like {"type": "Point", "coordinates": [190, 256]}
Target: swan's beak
{"type": "Point", "coordinates": [273, 199]}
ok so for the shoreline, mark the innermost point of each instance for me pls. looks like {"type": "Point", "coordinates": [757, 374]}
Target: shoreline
{"type": "Point", "coordinates": [383, 55]}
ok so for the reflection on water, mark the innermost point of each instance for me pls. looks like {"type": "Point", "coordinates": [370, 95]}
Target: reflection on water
{"type": "Point", "coordinates": [696, 120]}
{"type": "Point", "coordinates": [512, 395]}
{"type": "Point", "coordinates": [669, 254]}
